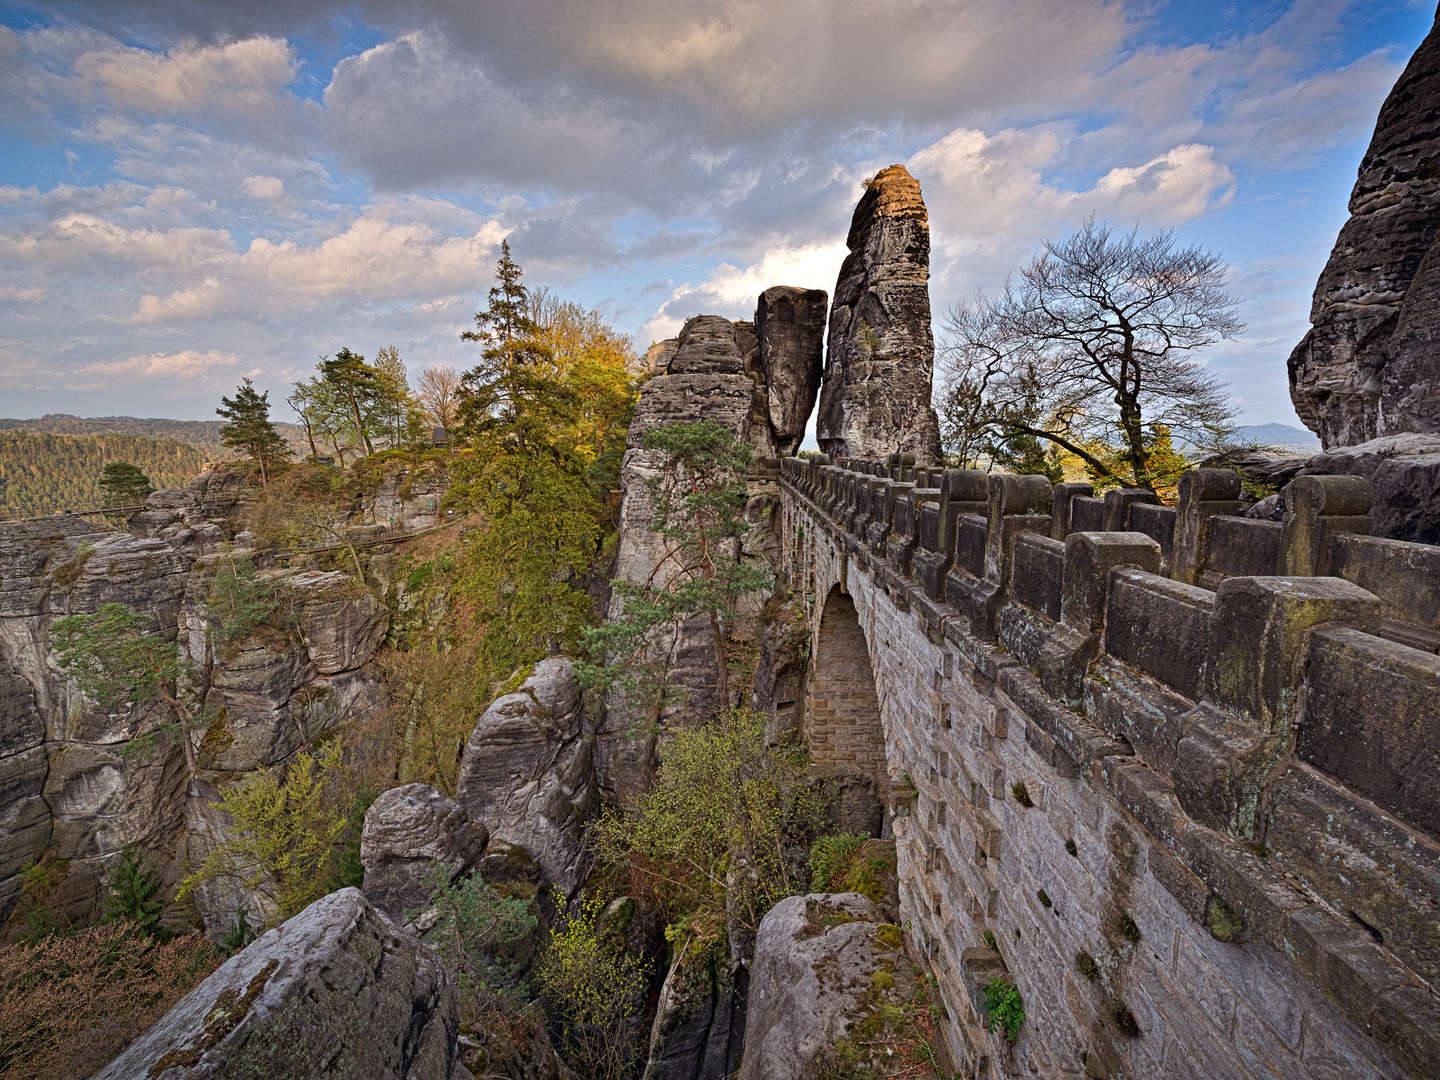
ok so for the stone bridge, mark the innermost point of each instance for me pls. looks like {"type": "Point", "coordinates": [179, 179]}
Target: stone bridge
{"type": "Point", "coordinates": [1170, 770]}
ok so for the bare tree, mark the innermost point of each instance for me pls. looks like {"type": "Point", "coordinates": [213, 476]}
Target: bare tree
{"type": "Point", "coordinates": [440, 395]}
{"type": "Point", "coordinates": [1092, 348]}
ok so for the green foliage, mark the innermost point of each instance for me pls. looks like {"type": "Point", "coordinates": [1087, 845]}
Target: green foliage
{"type": "Point", "coordinates": [35, 910]}
{"type": "Point", "coordinates": [346, 869]}
{"type": "Point", "coordinates": [248, 428]}
{"type": "Point", "coordinates": [1086, 965]}
{"type": "Point", "coordinates": [1021, 794]}
{"type": "Point", "coordinates": [45, 473]}
{"type": "Point", "coordinates": [1125, 1021]}
{"type": "Point", "coordinates": [117, 662]}
{"type": "Point", "coordinates": [240, 600]}
{"type": "Point", "coordinates": [124, 484]}
{"type": "Point", "coordinates": [1044, 898]}
{"type": "Point", "coordinates": [596, 990]}
{"type": "Point", "coordinates": [1071, 849]}
{"type": "Point", "coordinates": [133, 895]}
{"type": "Point", "coordinates": [698, 495]}
{"type": "Point", "coordinates": [240, 934]}
{"type": "Point", "coordinates": [829, 857]}
{"type": "Point", "coordinates": [282, 837]}
{"type": "Point", "coordinates": [202, 435]}
{"type": "Point", "coordinates": [722, 809]}
{"type": "Point", "coordinates": [483, 936]}
{"type": "Point", "coordinates": [114, 657]}
{"type": "Point", "coordinates": [1004, 1006]}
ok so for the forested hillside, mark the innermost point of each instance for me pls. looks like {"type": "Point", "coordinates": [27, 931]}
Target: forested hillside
{"type": "Point", "coordinates": [202, 434]}
{"type": "Point", "coordinates": [41, 473]}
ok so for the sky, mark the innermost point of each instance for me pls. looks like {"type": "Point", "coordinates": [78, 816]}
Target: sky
{"type": "Point", "coordinates": [192, 193]}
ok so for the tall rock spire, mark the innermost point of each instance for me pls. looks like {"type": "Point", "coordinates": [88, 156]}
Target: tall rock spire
{"type": "Point", "coordinates": [1370, 365]}
{"type": "Point", "coordinates": [875, 397]}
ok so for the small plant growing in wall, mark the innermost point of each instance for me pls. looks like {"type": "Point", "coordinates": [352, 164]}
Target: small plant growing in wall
{"type": "Point", "coordinates": [1004, 1007]}
{"type": "Point", "coordinates": [1086, 965]}
{"type": "Point", "coordinates": [1021, 794]}
{"type": "Point", "coordinates": [1125, 1021]}
{"type": "Point", "coordinates": [1044, 898]}
{"type": "Point", "coordinates": [1126, 926]}
{"type": "Point", "coordinates": [1071, 849]}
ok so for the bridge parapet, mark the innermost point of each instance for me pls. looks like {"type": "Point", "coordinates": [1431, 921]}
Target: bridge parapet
{"type": "Point", "coordinates": [1277, 736]}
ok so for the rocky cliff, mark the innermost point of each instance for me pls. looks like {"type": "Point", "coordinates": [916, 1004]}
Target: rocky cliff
{"type": "Point", "coordinates": [1369, 365]}
{"type": "Point", "coordinates": [81, 782]}
{"type": "Point", "coordinates": [759, 381]}
{"type": "Point", "coordinates": [876, 394]}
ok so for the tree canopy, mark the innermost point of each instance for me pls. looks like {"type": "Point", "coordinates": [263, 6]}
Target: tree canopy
{"type": "Point", "coordinates": [1095, 348]}
{"type": "Point", "coordinates": [248, 428]}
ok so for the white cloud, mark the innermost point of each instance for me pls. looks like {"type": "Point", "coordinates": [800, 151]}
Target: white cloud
{"type": "Point", "coordinates": [733, 291]}
{"type": "Point", "coordinates": [188, 365]}
{"type": "Point", "coordinates": [240, 77]}
{"type": "Point", "coordinates": [262, 188]}
{"type": "Point", "coordinates": [373, 260]}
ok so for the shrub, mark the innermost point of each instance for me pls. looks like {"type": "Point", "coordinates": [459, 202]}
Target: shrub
{"type": "Point", "coordinates": [241, 600]}
{"type": "Point", "coordinates": [134, 895]}
{"type": "Point", "coordinates": [283, 835]}
{"type": "Point", "coordinates": [40, 880]}
{"type": "Point", "coordinates": [722, 802]}
{"type": "Point", "coordinates": [1004, 1006]}
{"type": "Point", "coordinates": [74, 1002]}
{"type": "Point", "coordinates": [484, 937]}
{"type": "Point", "coordinates": [596, 991]}
{"type": "Point", "coordinates": [829, 857]}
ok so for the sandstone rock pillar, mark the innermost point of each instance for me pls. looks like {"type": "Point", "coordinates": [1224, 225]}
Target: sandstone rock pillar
{"type": "Point", "coordinates": [875, 398]}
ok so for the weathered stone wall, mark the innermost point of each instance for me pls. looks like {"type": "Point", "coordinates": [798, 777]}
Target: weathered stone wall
{"type": "Point", "coordinates": [1212, 795]}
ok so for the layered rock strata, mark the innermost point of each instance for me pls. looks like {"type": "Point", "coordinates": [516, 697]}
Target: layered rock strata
{"type": "Point", "coordinates": [1369, 365]}
{"type": "Point", "coordinates": [875, 398]}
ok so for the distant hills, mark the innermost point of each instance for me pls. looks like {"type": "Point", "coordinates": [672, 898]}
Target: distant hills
{"type": "Point", "coordinates": [1282, 435]}
{"type": "Point", "coordinates": [41, 473]}
{"type": "Point", "coordinates": [53, 462]}
{"type": "Point", "coordinates": [201, 434]}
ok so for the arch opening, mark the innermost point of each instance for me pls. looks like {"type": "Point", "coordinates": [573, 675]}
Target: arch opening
{"type": "Point", "coordinates": [842, 725]}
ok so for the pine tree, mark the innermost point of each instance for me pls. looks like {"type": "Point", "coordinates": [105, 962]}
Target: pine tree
{"type": "Point", "coordinates": [357, 385]}
{"type": "Point", "coordinates": [493, 387]}
{"type": "Point", "coordinates": [248, 427]}
{"type": "Point", "coordinates": [124, 484]}
{"type": "Point", "coordinates": [134, 894]}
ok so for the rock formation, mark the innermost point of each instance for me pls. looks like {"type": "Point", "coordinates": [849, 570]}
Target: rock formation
{"type": "Point", "coordinates": [1368, 366]}
{"type": "Point", "coordinates": [68, 781]}
{"type": "Point", "coordinates": [757, 380]}
{"type": "Point", "coordinates": [824, 964]}
{"type": "Point", "coordinates": [408, 831]}
{"type": "Point", "coordinates": [875, 398]}
{"type": "Point", "coordinates": [790, 325]}
{"type": "Point", "coordinates": [528, 772]}
{"type": "Point", "coordinates": [336, 991]}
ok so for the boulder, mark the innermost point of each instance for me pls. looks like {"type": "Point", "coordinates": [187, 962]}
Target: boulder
{"type": "Point", "coordinates": [1367, 367]}
{"type": "Point", "coordinates": [337, 991]}
{"type": "Point", "coordinates": [813, 980]}
{"type": "Point", "coordinates": [875, 397]}
{"type": "Point", "coordinates": [790, 324]}
{"type": "Point", "coordinates": [408, 830]}
{"type": "Point", "coordinates": [1404, 471]}
{"type": "Point", "coordinates": [528, 772]}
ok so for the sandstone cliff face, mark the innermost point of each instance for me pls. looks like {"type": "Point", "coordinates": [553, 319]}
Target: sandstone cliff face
{"type": "Point", "coordinates": [758, 380]}
{"type": "Point", "coordinates": [71, 778]}
{"type": "Point", "coordinates": [1369, 366]}
{"type": "Point", "coordinates": [875, 399]}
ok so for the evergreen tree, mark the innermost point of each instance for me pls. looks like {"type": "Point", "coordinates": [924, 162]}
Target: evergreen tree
{"type": "Point", "coordinates": [511, 363]}
{"type": "Point", "coordinates": [248, 427]}
{"type": "Point", "coordinates": [124, 484]}
{"type": "Point", "coordinates": [357, 386]}
{"type": "Point", "coordinates": [134, 894]}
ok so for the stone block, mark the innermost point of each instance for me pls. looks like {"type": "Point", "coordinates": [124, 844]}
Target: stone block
{"type": "Point", "coordinates": [1089, 558]}
{"type": "Point", "coordinates": [1065, 494]}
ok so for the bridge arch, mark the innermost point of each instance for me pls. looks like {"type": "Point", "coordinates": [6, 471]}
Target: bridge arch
{"type": "Point", "coordinates": [843, 728]}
